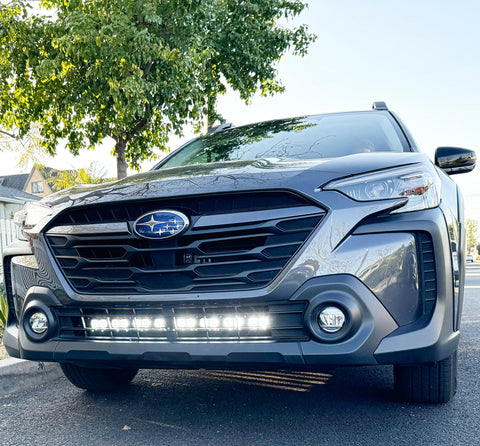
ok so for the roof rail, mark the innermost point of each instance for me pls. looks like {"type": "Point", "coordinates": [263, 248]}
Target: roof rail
{"type": "Point", "coordinates": [220, 128]}
{"type": "Point", "coordinates": [380, 105]}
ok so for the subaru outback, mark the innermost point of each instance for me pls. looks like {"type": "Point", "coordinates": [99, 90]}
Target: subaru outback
{"type": "Point", "coordinates": [303, 243]}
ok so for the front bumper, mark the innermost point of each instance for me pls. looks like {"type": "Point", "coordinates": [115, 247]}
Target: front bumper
{"type": "Point", "coordinates": [376, 340]}
{"type": "Point", "coordinates": [389, 329]}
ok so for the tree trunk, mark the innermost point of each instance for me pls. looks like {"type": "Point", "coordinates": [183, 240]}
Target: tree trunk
{"type": "Point", "coordinates": [122, 164]}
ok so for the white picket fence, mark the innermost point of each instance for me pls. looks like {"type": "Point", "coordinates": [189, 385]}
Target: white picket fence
{"type": "Point", "coordinates": [8, 233]}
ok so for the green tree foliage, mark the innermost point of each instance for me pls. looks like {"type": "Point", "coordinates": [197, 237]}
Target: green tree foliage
{"type": "Point", "coordinates": [136, 70]}
{"type": "Point", "coordinates": [472, 233]}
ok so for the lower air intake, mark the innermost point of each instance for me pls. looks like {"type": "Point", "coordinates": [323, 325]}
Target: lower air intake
{"type": "Point", "coordinates": [271, 322]}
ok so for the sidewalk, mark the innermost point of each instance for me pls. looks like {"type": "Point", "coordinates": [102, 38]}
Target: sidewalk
{"type": "Point", "coordinates": [17, 374]}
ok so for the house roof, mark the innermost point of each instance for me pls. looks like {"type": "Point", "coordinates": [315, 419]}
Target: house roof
{"type": "Point", "coordinates": [20, 181]}
{"type": "Point", "coordinates": [10, 194]}
{"type": "Point", "coordinates": [14, 181]}
{"type": "Point", "coordinates": [48, 174]}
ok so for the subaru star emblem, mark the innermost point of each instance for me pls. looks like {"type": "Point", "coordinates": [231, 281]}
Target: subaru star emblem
{"type": "Point", "coordinates": [161, 224]}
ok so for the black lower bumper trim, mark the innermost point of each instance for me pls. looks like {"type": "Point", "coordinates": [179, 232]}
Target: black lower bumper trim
{"type": "Point", "coordinates": [375, 339]}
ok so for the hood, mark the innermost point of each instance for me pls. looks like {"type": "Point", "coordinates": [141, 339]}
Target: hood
{"type": "Point", "coordinates": [300, 175]}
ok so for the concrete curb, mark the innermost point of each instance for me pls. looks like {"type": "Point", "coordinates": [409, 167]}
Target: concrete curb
{"type": "Point", "coordinates": [18, 374]}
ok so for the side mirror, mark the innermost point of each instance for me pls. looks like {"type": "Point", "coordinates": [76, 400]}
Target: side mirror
{"type": "Point", "coordinates": [454, 160]}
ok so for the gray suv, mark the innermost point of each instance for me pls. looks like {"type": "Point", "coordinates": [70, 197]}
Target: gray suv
{"type": "Point", "coordinates": [303, 243]}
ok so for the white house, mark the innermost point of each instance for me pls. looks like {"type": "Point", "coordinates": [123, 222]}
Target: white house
{"type": "Point", "coordinates": [11, 201]}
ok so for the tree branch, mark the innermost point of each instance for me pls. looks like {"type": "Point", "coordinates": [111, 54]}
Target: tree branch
{"type": "Point", "coordinates": [3, 132]}
{"type": "Point", "coordinates": [147, 70]}
{"type": "Point", "coordinates": [140, 124]}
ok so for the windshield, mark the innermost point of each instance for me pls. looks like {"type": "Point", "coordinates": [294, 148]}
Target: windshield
{"type": "Point", "coordinates": [313, 137]}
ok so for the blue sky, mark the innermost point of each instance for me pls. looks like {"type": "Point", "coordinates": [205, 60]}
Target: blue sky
{"type": "Point", "coordinates": [420, 56]}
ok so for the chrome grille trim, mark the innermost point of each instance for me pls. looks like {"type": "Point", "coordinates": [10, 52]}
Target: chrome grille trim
{"type": "Point", "coordinates": [98, 228]}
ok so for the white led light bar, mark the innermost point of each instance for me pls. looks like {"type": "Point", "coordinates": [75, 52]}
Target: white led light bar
{"type": "Point", "coordinates": [225, 322]}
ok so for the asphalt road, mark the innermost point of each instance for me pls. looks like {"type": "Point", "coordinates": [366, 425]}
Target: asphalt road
{"type": "Point", "coordinates": [353, 406]}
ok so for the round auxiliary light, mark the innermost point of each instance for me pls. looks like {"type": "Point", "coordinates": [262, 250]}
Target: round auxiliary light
{"type": "Point", "coordinates": [331, 319]}
{"type": "Point", "coordinates": [38, 322]}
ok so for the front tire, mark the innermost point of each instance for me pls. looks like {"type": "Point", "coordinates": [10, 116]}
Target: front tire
{"type": "Point", "coordinates": [98, 380]}
{"type": "Point", "coordinates": [427, 383]}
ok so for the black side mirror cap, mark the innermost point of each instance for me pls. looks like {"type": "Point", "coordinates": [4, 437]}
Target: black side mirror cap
{"type": "Point", "coordinates": [455, 160]}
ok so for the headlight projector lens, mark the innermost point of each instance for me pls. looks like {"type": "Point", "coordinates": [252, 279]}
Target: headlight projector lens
{"type": "Point", "coordinates": [331, 319]}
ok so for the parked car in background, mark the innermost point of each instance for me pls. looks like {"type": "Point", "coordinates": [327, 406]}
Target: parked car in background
{"type": "Point", "coordinates": [469, 258]}
{"type": "Point", "coordinates": [303, 243]}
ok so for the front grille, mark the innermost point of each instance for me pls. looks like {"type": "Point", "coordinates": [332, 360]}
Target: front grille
{"type": "Point", "coordinates": [234, 242]}
{"type": "Point", "coordinates": [285, 323]}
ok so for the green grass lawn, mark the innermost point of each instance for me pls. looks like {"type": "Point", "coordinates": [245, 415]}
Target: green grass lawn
{"type": "Point", "coordinates": [3, 352]}
{"type": "Point", "coordinates": [3, 319]}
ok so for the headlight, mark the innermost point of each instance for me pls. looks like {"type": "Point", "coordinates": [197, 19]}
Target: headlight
{"type": "Point", "coordinates": [32, 214]}
{"type": "Point", "coordinates": [419, 183]}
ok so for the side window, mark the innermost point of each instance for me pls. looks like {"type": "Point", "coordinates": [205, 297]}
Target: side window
{"type": "Point", "coordinates": [37, 187]}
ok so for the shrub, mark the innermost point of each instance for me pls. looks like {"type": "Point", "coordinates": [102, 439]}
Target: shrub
{"type": "Point", "coordinates": [3, 306]}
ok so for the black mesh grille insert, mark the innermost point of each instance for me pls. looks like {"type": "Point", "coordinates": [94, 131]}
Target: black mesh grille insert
{"type": "Point", "coordinates": [285, 323]}
{"type": "Point", "coordinates": [234, 242]}
{"type": "Point", "coordinates": [427, 272]}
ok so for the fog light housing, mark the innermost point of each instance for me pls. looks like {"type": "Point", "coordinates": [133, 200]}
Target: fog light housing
{"type": "Point", "coordinates": [38, 322]}
{"type": "Point", "coordinates": [331, 319]}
